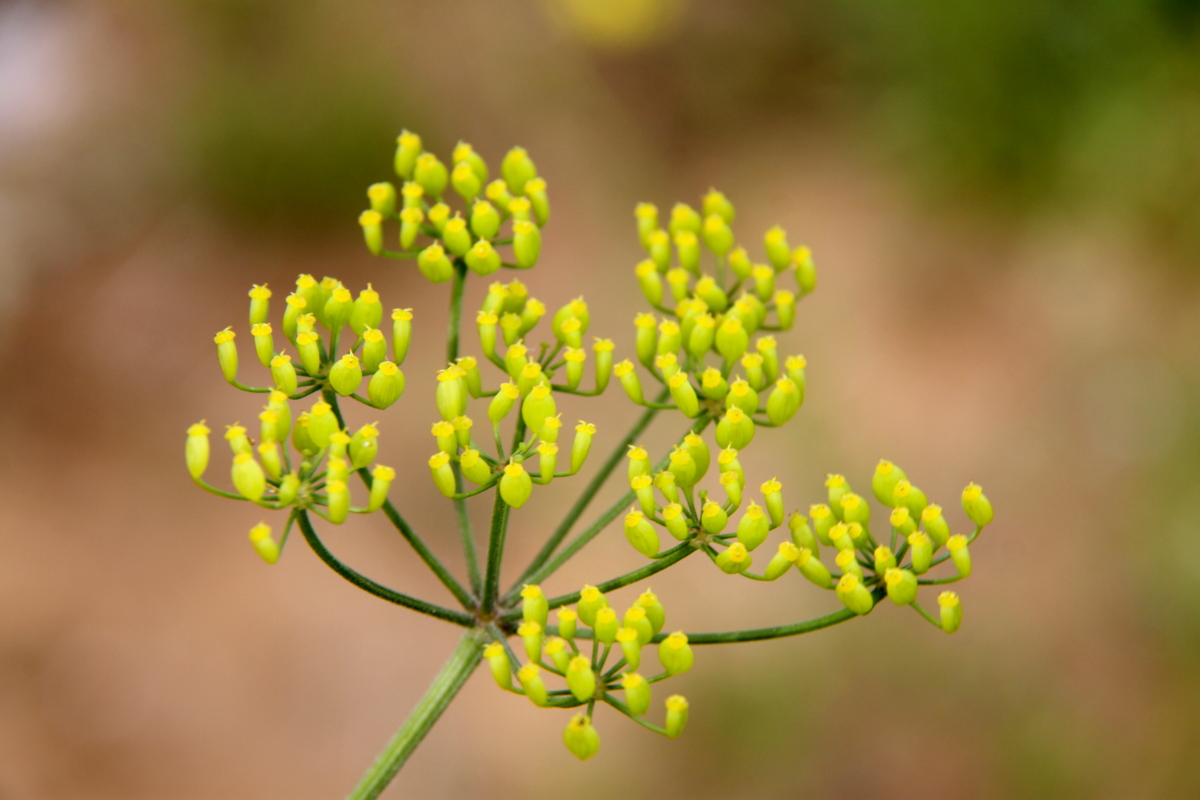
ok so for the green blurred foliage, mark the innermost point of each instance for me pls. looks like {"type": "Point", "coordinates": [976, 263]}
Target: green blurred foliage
{"type": "Point", "coordinates": [289, 108]}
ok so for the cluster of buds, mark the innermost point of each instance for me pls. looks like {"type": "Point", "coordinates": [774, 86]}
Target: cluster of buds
{"type": "Point", "coordinates": [587, 678]}
{"type": "Point", "coordinates": [712, 351]}
{"type": "Point", "coordinates": [506, 212]}
{"type": "Point", "coordinates": [314, 473]}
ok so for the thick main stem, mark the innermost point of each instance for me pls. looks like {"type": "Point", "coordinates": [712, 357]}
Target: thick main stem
{"type": "Point", "coordinates": [428, 710]}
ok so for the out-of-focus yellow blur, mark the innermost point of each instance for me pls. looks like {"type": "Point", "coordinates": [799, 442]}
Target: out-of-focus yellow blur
{"type": "Point", "coordinates": [1004, 205]}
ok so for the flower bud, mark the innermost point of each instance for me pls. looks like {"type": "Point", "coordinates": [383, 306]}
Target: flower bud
{"type": "Point", "coordinates": [687, 246]}
{"type": "Point", "coordinates": [676, 654]}
{"type": "Point", "coordinates": [465, 181]}
{"type": "Point", "coordinates": [773, 496]}
{"type": "Point", "coordinates": [227, 354]}
{"type": "Point", "coordinates": [752, 528]}
{"type": "Point", "coordinates": [527, 243]}
{"type": "Point", "coordinates": [197, 449]}
{"type": "Point", "coordinates": [411, 195]}
{"type": "Point", "coordinates": [778, 251]}
{"type": "Point", "coordinates": [822, 520]}
{"type": "Point", "coordinates": [854, 595]}
{"type": "Point", "coordinates": [847, 561]}
{"type": "Point", "coordinates": [443, 475]}
{"type": "Point", "coordinates": [782, 561]}
{"type": "Point", "coordinates": [567, 621]}
{"type": "Point", "coordinates": [603, 348]}
{"type": "Point", "coordinates": [431, 175]}
{"type": "Point", "coordinates": [839, 536]}
{"type": "Point", "coordinates": [684, 218]}
{"type": "Point", "coordinates": [499, 664]}
{"type": "Point", "coordinates": [650, 282]}
{"type": "Point", "coordinates": [629, 381]}
{"type": "Point", "coordinates": [515, 485]}
{"type": "Point", "coordinates": [386, 385]}
{"type": "Point", "coordinates": [259, 304]}
{"type": "Point", "coordinates": [531, 635]}
{"type": "Point", "coordinates": [268, 453]}
{"type": "Point", "coordinates": [677, 715]}
{"type": "Point", "coordinates": [606, 626]}
{"type": "Point", "coordinates": [451, 394]}
{"type": "Point", "coordinates": [637, 693]}
{"type": "Point", "coordinates": [345, 375]}
{"type": "Point", "coordinates": [716, 203]}
{"type": "Point", "coordinates": [575, 358]}
{"type": "Point", "coordinates": [717, 236]}
{"type": "Point", "coordinates": [410, 226]}
{"type": "Point", "coordinates": [339, 444]}
{"type": "Point", "coordinates": [530, 678]}
{"type": "Point", "coordinates": [532, 314]}
{"type": "Point", "coordinates": [248, 477]}
{"type": "Point", "coordinates": [794, 365]}
{"type": "Point", "coordinates": [321, 424]}
{"type": "Point", "coordinates": [901, 586]}
{"type": "Point", "coordinates": [447, 441]}
{"type": "Point", "coordinates": [734, 560]}
{"type": "Point", "coordinates": [902, 521]}
{"type": "Point", "coordinates": [503, 402]}
{"type": "Point", "coordinates": [294, 308]}
{"type": "Point", "coordinates": [557, 651]}
{"type": "Point", "coordinates": [739, 262]}
{"type": "Point", "coordinates": [951, 611]}
{"type": "Point", "coordinates": [810, 567]}
{"type": "Point", "coordinates": [643, 489]}
{"type": "Point", "coordinates": [401, 333]}
{"type": "Point", "coordinates": [732, 485]}
{"type": "Point", "coordinates": [264, 545]}
{"type": "Point", "coordinates": [497, 192]}
{"type": "Point", "coordinates": [482, 258]}
{"type": "Point", "coordinates": [367, 311]}
{"type": "Point", "coordinates": [802, 535]}
{"type": "Point", "coordinates": [550, 428]}
{"type": "Point", "coordinates": [806, 272]}
{"type": "Point", "coordinates": [784, 401]}
{"type": "Point", "coordinates": [372, 228]}
{"type": "Point", "coordinates": [434, 264]}
{"type": "Point", "coordinates": [456, 237]}
{"type": "Point", "coordinates": [735, 429]}
{"type": "Point", "coordinates": [520, 209]}
{"type": "Point", "coordinates": [911, 497]}
{"type": "Point", "coordinates": [764, 281]}
{"type": "Point", "coordinates": [474, 468]}
{"type": "Point", "coordinates": [631, 646]}
{"type": "Point", "coordinates": [713, 384]}
{"type": "Point", "coordinates": [732, 339]}
{"type": "Point", "coordinates": [742, 396]}
{"type": "Point", "coordinates": [977, 507]}
{"type": "Point", "coordinates": [338, 499]}
{"type": "Point", "coordinates": [547, 461]}
{"type": "Point", "coordinates": [581, 680]}
{"type": "Point", "coordinates": [935, 524]}
{"type": "Point", "coordinates": [300, 437]}
{"type": "Point", "coordinates": [785, 308]}
{"type": "Point", "coordinates": [538, 405]}
{"type": "Point", "coordinates": [921, 550]}
{"type": "Point", "coordinates": [382, 478]}
{"type": "Point", "coordinates": [641, 533]}
{"type": "Point", "coordinates": [539, 199]}
{"type": "Point", "coordinates": [581, 738]}
{"type": "Point", "coordinates": [678, 279]}
{"type": "Point", "coordinates": [855, 509]}
{"type": "Point", "coordinates": [408, 148]}
{"type": "Point", "coordinates": [485, 220]}
{"type": "Point", "coordinates": [338, 308]}
{"type": "Point", "coordinates": [310, 352]}
{"type": "Point", "coordinates": [591, 600]}
{"type": "Point", "coordinates": [647, 221]}
{"type": "Point", "coordinates": [374, 349]}
{"type": "Point", "coordinates": [960, 554]}
{"type": "Point", "coordinates": [517, 168]}
{"type": "Point", "coordinates": [684, 394]}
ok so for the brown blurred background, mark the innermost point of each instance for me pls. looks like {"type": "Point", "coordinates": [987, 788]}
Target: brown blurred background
{"type": "Point", "coordinates": [1004, 203]}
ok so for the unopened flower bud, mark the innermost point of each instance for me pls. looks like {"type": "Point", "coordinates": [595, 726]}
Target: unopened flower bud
{"type": "Point", "coordinates": [581, 738]}
{"type": "Point", "coordinates": [465, 181]}
{"type": "Point", "coordinates": [264, 545]}
{"type": "Point", "coordinates": [381, 482]}
{"type": "Point", "coordinates": [650, 282]}
{"type": "Point", "coordinates": [517, 168]}
{"type": "Point", "coordinates": [951, 611]}
{"type": "Point", "coordinates": [248, 477]}
{"type": "Point", "coordinates": [684, 218]}
{"type": "Point", "coordinates": [764, 281]}
{"type": "Point", "coordinates": [401, 333]}
{"type": "Point", "coordinates": [806, 272]}
{"type": "Point", "coordinates": [515, 485]}
{"type": "Point", "coordinates": [456, 237]}
{"type": "Point", "coordinates": [732, 339]}
{"type": "Point", "coordinates": [855, 509]}
{"type": "Point", "coordinates": [935, 524]}
{"type": "Point", "coordinates": [338, 499]}
{"type": "Point", "coordinates": [854, 595]}
{"type": "Point", "coordinates": [677, 715]}
{"type": "Point", "coordinates": [782, 561]}
{"type": "Point", "coordinates": [527, 244]}
{"type": "Point", "coordinates": [503, 402]}
{"type": "Point", "coordinates": [921, 552]}
{"type": "Point", "coordinates": [434, 264]}
{"type": "Point", "coordinates": [752, 528]}
{"type": "Point", "coordinates": [606, 626]}
{"type": "Point", "coordinates": [839, 536]}
{"type": "Point", "coordinates": [197, 449]}
{"type": "Point", "coordinates": [372, 228]}
{"type": "Point", "coordinates": [684, 394]}
{"type": "Point", "coordinates": [822, 519]}
{"type": "Point", "coordinates": [717, 236]}
{"type": "Point", "coordinates": [386, 385]}
{"type": "Point", "coordinates": [474, 468]}
{"type": "Point", "coordinates": [550, 428]}
{"type": "Point", "coordinates": [227, 354]}
{"type": "Point", "coordinates": [847, 561]}
{"type": "Point", "coordinates": [591, 600]}
{"type": "Point", "coordinates": [687, 246]}
{"type": "Point", "coordinates": [603, 348]}
{"type": "Point", "coordinates": [498, 664]}
{"type": "Point", "coordinates": [977, 507]}
{"type": "Point", "coordinates": [735, 429]}
{"type": "Point", "coordinates": [734, 560]}
{"type": "Point", "coordinates": [581, 679]}
{"type": "Point", "coordinates": [810, 567]}
{"type": "Point", "coordinates": [902, 521]}
{"type": "Point", "coordinates": [443, 475]}
{"type": "Point", "coordinates": [530, 678]}
{"type": "Point", "coordinates": [497, 192]}
{"type": "Point", "coordinates": [374, 349]}
{"type": "Point", "coordinates": [629, 381]}
{"type": "Point", "coordinates": [960, 554]}
{"type": "Point", "coordinates": [447, 441]}
{"type": "Point", "coordinates": [678, 279]}
{"type": "Point", "coordinates": [321, 423]}
{"type": "Point", "coordinates": [647, 221]}
{"type": "Point", "coordinates": [531, 636]}
{"type": "Point", "coordinates": [451, 394]}
{"type": "Point", "coordinates": [547, 461]}
{"type": "Point", "coordinates": [641, 533]}
{"type": "Point", "coordinates": [567, 621]}
{"type": "Point", "coordinates": [410, 226]}
{"type": "Point", "coordinates": [301, 439]}
{"type": "Point", "coordinates": [338, 308]}
{"type": "Point", "coordinates": [538, 405]}
{"type": "Point", "coordinates": [637, 693]}
{"type": "Point", "coordinates": [575, 358]}
{"type": "Point", "coordinates": [558, 652]}
{"type": "Point", "coordinates": [739, 262]}
{"type": "Point", "coordinates": [345, 375]}
{"type": "Point", "coordinates": [431, 175]}
{"type": "Point", "coordinates": [268, 453]}
{"type": "Point", "coordinates": [675, 653]}
{"type": "Point", "coordinates": [539, 200]}
{"type": "Point", "coordinates": [485, 220]}
{"type": "Point", "coordinates": [778, 251]}
{"type": "Point", "coordinates": [408, 148]}
{"type": "Point", "coordinates": [784, 401]}
{"type": "Point", "coordinates": [631, 646]}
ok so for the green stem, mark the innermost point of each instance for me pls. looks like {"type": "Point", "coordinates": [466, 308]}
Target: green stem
{"type": "Point", "coordinates": [495, 554]}
{"type": "Point", "coordinates": [368, 585]}
{"type": "Point", "coordinates": [460, 504]}
{"type": "Point", "coordinates": [586, 497]}
{"type": "Point", "coordinates": [429, 708]}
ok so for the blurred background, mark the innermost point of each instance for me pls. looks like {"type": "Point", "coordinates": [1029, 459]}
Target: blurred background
{"type": "Point", "coordinates": [1004, 203]}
